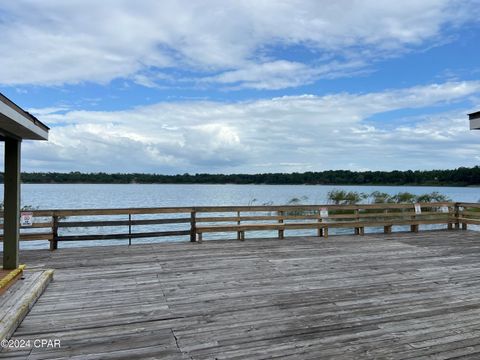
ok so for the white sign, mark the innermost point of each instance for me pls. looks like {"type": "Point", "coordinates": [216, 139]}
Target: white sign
{"type": "Point", "coordinates": [444, 209]}
{"type": "Point", "coordinates": [323, 212]}
{"type": "Point", "coordinates": [26, 219]}
{"type": "Point", "coordinates": [418, 209]}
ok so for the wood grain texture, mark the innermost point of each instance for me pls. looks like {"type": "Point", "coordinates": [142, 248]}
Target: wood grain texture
{"type": "Point", "coordinates": [393, 296]}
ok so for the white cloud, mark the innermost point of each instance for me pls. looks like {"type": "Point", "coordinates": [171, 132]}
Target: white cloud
{"type": "Point", "coordinates": [282, 74]}
{"type": "Point", "coordinates": [291, 133]}
{"type": "Point", "coordinates": [48, 110]}
{"type": "Point", "coordinates": [237, 43]}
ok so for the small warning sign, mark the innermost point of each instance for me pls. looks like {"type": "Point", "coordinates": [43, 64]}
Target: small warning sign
{"type": "Point", "coordinates": [324, 212]}
{"type": "Point", "coordinates": [26, 218]}
{"type": "Point", "coordinates": [418, 209]}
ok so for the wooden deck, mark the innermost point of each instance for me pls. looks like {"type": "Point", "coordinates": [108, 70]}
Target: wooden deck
{"type": "Point", "coordinates": [397, 296]}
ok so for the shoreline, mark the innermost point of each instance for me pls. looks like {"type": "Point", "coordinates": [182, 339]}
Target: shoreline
{"type": "Point", "coordinates": [246, 184]}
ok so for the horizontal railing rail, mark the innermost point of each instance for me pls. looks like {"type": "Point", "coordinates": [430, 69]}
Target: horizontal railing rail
{"type": "Point", "coordinates": [56, 225]}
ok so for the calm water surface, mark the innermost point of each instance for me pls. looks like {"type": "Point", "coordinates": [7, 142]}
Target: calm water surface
{"type": "Point", "coordinates": [65, 196]}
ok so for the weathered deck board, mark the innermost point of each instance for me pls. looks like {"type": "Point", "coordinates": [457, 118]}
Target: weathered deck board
{"type": "Point", "coordinates": [396, 296]}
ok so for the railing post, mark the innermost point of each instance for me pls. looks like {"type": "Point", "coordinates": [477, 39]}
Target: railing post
{"type": "Point", "coordinates": [193, 226]}
{"type": "Point", "coordinates": [129, 229]}
{"type": "Point", "coordinates": [387, 229]}
{"type": "Point", "coordinates": [414, 227]}
{"type": "Point", "coordinates": [457, 217]}
{"type": "Point", "coordinates": [320, 229]}
{"type": "Point", "coordinates": [54, 241]}
{"type": "Point", "coordinates": [464, 225]}
{"type": "Point", "coordinates": [356, 229]}
{"type": "Point", "coordinates": [281, 233]}
{"type": "Point", "coordinates": [239, 235]}
{"type": "Point", "coordinates": [449, 224]}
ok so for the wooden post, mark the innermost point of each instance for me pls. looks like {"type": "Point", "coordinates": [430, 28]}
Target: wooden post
{"type": "Point", "coordinates": [54, 241]}
{"type": "Point", "coordinates": [357, 229]}
{"type": "Point", "coordinates": [414, 227]}
{"type": "Point", "coordinates": [238, 223]}
{"type": "Point", "coordinates": [193, 226]}
{"type": "Point", "coordinates": [320, 229]}
{"type": "Point", "coordinates": [386, 229]}
{"type": "Point", "coordinates": [449, 223]}
{"type": "Point", "coordinates": [281, 231]}
{"type": "Point", "coordinates": [457, 216]}
{"type": "Point", "coordinates": [464, 226]}
{"type": "Point", "coordinates": [11, 216]}
{"type": "Point", "coordinates": [129, 229]}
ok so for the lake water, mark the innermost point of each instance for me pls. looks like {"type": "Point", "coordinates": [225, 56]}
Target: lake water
{"type": "Point", "coordinates": [63, 196]}
{"type": "Point", "coordinates": [78, 196]}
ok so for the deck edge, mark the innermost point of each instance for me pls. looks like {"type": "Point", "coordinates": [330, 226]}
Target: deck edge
{"type": "Point", "coordinates": [17, 313]}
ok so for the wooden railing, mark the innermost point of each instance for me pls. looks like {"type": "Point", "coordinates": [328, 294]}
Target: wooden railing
{"type": "Point", "coordinates": [468, 213]}
{"type": "Point", "coordinates": [193, 222]}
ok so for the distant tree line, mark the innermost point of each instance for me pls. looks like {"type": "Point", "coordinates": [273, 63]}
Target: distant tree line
{"type": "Point", "coordinates": [457, 177]}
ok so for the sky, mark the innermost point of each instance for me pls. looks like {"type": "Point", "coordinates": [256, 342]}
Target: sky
{"type": "Point", "coordinates": [244, 86]}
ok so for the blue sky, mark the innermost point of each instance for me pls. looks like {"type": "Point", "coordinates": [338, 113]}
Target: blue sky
{"type": "Point", "coordinates": [244, 86]}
